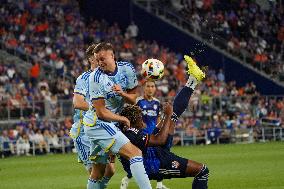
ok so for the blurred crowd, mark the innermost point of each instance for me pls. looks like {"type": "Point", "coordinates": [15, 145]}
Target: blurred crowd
{"type": "Point", "coordinates": [53, 32]}
{"type": "Point", "coordinates": [252, 30]}
{"type": "Point", "coordinates": [40, 135]}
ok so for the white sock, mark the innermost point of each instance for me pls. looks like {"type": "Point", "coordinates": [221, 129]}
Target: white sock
{"type": "Point", "coordinates": [126, 179]}
{"type": "Point", "coordinates": [191, 82]}
{"type": "Point", "coordinates": [139, 173]}
{"type": "Point", "coordinates": [159, 184]}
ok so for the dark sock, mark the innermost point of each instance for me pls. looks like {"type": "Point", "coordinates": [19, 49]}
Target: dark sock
{"type": "Point", "coordinates": [200, 181]}
{"type": "Point", "coordinates": [181, 102]}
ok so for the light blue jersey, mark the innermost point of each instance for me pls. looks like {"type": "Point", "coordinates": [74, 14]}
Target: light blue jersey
{"type": "Point", "coordinates": [81, 141]}
{"type": "Point", "coordinates": [105, 133]}
{"type": "Point", "coordinates": [101, 85]}
{"type": "Point", "coordinates": [81, 88]}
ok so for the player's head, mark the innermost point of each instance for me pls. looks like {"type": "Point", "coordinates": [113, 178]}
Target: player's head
{"type": "Point", "coordinates": [149, 88]}
{"type": "Point", "coordinates": [91, 56]}
{"type": "Point", "coordinates": [134, 114]}
{"type": "Point", "coordinates": [105, 56]}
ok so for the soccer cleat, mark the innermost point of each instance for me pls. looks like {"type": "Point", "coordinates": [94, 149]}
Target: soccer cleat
{"type": "Point", "coordinates": [79, 160]}
{"type": "Point", "coordinates": [163, 187]}
{"type": "Point", "coordinates": [193, 69]}
{"type": "Point", "coordinates": [124, 183]}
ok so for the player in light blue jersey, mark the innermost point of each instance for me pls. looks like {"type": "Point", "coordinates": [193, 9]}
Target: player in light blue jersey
{"type": "Point", "coordinates": [150, 107]}
{"type": "Point", "coordinates": [111, 85]}
{"type": "Point", "coordinates": [81, 103]}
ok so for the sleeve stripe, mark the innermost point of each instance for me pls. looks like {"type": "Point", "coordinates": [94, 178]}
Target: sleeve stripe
{"type": "Point", "coordinates": [97, 98]}
{"type": "Point", "coordinates": [76, 92]}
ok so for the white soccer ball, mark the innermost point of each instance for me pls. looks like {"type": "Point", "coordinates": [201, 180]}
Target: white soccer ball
{"type": "Point", "coordinates": [152, 69]}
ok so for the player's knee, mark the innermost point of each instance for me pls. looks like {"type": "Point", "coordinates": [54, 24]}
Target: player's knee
{"type": "Point", "coordinates": [135, 151]}
{"type": "Point", "coordinates": [204, 173]}
{"type": "Point", "coordinates": [97, 171]}
{"type": "Point", "coordinates": [110, 170]}
{"type": "Point", "coordinates": [129, 151]}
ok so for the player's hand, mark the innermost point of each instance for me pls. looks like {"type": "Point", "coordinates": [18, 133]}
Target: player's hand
{"type": "Point", "coordinates": [125, 122]}
{"type": "Point", "coordinates": [168, 109]}
{"type": "Point", "coordinates": [117, 88]}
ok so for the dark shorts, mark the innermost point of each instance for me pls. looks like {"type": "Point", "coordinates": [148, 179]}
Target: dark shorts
{"type": "Point", "coordinates": [171, 166]}
{"type": "Point", "coordinates": [169, 143]}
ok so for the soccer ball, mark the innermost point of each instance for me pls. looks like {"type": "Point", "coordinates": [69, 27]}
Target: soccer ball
{"type": "Point", "coordinates": [152, 69]}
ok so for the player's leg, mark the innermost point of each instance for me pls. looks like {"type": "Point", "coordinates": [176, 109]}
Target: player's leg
{"type": "Point", "coordinates": [109, 172]}
{"type": "Point", "coordinates": [110, 138]}
{"type": "Point", "coordinates": [100, 162]}
{"type": "Point", "coordinates": [96, 171]}
{"type": "Point", "coordinates": [134, 155]}
{"type": "Point", "coordinates": [160, 184]}
{"type": "Point", "coordinates": [181, 101]}
{"type": "Point", "coordinates": [95, 176]}
{"type": "Point", "coordinates": [125, 180]}
{"type": "Point", "coordinates": [200, 172]}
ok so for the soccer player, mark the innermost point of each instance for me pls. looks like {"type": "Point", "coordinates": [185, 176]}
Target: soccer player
{"type": "Point", "coordinates": [163, 163]}
{"type": "Point", "coordinates": [112, 84]}
{"type": "Point", "coordinates": [150, 107]}
{"type": "Point", "coordinates": [81, 101]}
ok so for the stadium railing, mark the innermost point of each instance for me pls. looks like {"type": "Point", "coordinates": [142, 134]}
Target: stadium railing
{"type": "Point", "coordinates": [226, 136]}
{"type": "Point", "coordinates": [42, 108]}
{"type": "Point", "coordinates": [222, 136]}
{"type": "Point", "coordinates": [10, 148]}
{"type": "Point", "coordinates": [202, 108]}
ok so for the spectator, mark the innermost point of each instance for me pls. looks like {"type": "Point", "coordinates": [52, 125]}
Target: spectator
{"type": "Point", "coordinates": [132, 30]}
{"type": "Point", "coordinates": [34, 73]}
{"type": "Point", "coordinates": [40, 142]}
{"type": "Point", "coordinates": [23, 145]}
{"type": "Point", "coordinates": [6, 144]}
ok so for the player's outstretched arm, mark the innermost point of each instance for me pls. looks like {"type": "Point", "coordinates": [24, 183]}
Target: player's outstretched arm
{"type": "Point", "coordinates": [105, 114]}
{"type": "Point", "coordinates": [161, 137]}
{"type": "Point", "coordinates": [79, 102]}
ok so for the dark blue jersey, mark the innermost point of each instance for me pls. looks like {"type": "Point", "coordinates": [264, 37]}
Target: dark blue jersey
{"type": "Point", "coordinates": [150, 111]}
{"type": "Point", "coordinates": [151, 155]}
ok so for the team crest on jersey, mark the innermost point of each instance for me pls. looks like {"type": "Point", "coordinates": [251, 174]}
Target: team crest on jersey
{"type": "Point", "coordinates": [155, 106]}
{"type": "Point", "coordinates": [175, 164]}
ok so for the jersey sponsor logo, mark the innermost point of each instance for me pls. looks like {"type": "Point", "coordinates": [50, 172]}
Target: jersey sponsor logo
{"type": "Point", "coordinates": [175, 164]}
{"type": "Point", "coordinates": [149, 112]}
{"type": "Point", "coordinates": [111, 95]}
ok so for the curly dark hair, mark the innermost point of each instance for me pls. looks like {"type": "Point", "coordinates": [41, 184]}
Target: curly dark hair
{"type": "Point", "coordinates": [133, 113]}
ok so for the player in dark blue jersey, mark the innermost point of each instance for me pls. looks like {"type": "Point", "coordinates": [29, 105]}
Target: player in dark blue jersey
{"type": "Point", "coordinates": [150, 107]}
{"type": "Point", "coordinates": [162, 163]}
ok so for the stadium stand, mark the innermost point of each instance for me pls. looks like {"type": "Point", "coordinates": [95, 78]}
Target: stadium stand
{"type": "Point", "coordinates": [250, 30]}
{"type": "Point", "coordinates": [53, 33]}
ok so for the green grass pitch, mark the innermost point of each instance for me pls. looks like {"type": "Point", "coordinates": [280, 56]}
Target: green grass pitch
{"type": "Point", "coordinates": [239, 166]}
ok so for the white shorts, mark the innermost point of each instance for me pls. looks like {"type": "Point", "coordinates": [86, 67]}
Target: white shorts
{"type": "Point", "coordinates": [107, 136]}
